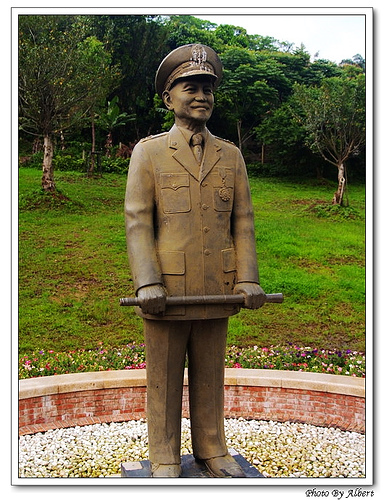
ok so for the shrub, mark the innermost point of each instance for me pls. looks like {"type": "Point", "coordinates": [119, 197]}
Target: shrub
{"type": "Point", "coordinates": [114, 165]}
{"type": "Point", "coordinates": [65, 163]}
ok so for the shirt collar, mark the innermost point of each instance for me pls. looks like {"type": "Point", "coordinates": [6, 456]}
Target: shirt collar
{"type": "Point", "coordinates": [188, 134]}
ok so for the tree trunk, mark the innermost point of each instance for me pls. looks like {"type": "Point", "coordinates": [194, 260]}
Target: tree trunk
{"type": "Point", "coordinates": [108, 145]}
{"type": "Point", "coordinates": [319, 172]}
{"type": "Point", "coordinates": [339, 194]}
{"type": "Point", "coordinates": [62, 141]}
{"type": "Point", "coordinates": [238, 124]}
{"type": "Point", "coordinates": [93, 146]}
{"type": "Point", "coordinates": [47, 181]}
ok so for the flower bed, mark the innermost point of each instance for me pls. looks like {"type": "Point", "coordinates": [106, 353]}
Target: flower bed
{"type": "Point", "coordinates": [132, 356]}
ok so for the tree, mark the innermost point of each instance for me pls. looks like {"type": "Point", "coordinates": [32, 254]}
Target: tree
{"type": "Point", "coordinates": [357, 60]}
{"type": "Point", "coordinates": [137, 44]}
{"type": "Point", "coordinates": [284, 138]}
{"type": "Point", "coordinates": [61, 74]}
{"type": "Point", "coordinates": [186, 29]}
{"type": "Point", "coordinates": [111, 119]}
{"type": "Point", "coordinates": [333, 115]}
{"type": "Point", "coordinates": [320, 69]}
{"type": "Point", "coordinates": [93, 57]}
{"type": "Point", "coordinates": [232, 36]}
{"type": "Point", "coordinates": [244, 94]}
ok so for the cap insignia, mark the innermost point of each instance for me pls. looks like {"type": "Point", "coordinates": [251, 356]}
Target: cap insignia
{"type": "Point", "coordinates": [199, 55]}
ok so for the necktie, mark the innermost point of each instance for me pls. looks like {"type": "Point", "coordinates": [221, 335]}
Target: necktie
{"type": "Point", "coordinates": [197, 147]}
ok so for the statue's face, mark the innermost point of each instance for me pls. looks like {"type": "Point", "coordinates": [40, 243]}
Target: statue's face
{"type": "Point", "coordinates": [191, 99]}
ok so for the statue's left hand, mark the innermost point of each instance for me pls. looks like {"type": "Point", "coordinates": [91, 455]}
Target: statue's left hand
{"type": "Point", "coordinates": [254, 295]}
{"type": "Point", "coordinates": [152, 298]}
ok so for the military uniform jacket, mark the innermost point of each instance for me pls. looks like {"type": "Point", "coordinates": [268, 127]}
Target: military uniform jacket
{"type": "Point", "coordinates": [189, 227]}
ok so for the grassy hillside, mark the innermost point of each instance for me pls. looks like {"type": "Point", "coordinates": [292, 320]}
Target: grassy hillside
{"type": "Point", "coordinates": [73, 266]}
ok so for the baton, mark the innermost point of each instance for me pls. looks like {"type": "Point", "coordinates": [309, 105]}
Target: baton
{"type": "Point", "coordinates": [276, 298]}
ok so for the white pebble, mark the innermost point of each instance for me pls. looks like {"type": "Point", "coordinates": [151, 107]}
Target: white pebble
{"type": "Point", "coordinates": [276, 449]}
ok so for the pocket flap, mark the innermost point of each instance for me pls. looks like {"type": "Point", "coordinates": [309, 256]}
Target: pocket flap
{"type": "Point", "coordinates": [228, 257]}
{"type": "Point", "coordinates": [172, 262]}
{"type": "Point", "coordinates": [223, 176]}
{"type": "Point", "coordinates": [174, 181]}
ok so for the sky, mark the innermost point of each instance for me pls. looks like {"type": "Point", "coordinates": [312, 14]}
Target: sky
{"type": "Point", "coordinates": [332, 37]}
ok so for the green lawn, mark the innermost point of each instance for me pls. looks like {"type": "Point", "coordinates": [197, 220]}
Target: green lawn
{"type": "Point", "coordinates": [73, 266]}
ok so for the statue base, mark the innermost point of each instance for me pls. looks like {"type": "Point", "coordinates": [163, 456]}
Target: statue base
{"type": "Point", "coordinates": [189, 467]}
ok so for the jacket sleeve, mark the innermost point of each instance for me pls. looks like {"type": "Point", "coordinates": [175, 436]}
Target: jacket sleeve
{"type": "Point", "coordinates": [243, 229]}
{"type": "Point", "coordinates": [139, 220]}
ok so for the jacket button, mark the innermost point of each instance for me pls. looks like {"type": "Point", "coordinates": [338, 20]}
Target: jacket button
{"type": "Point", "coordinates": [206, 229]}
{"type": "Point", "coordinates": [207, 252]}
{"type": "Point", "coordinates": [204, 206]}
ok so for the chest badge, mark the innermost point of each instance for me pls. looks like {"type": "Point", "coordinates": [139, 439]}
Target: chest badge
{"type": "Point", "coordinates": [224, 191]}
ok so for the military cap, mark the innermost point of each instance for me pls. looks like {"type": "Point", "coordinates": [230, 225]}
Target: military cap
{"type": "Point", "coordinates": [188, 60]}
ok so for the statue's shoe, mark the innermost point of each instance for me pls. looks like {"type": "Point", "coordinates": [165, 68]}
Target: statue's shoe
{"type": "Point", "coordinates": [165, 470]}
{"type": "Point", "coordinates": [224, 467]}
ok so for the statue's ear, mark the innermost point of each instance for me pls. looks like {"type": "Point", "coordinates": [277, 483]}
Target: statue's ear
{"type": "Point", "coordinates": [167, 100]}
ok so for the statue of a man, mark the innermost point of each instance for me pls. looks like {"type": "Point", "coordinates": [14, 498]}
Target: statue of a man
{"type": "Point", "coordinates": [190, 231]}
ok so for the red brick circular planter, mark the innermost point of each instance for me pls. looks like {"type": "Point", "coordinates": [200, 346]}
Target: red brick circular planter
{"type": "Point", "coordinates": [114, 396]}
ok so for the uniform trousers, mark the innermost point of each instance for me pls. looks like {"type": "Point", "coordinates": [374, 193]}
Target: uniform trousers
{"type": "Point", "coordinates": [167, 345]}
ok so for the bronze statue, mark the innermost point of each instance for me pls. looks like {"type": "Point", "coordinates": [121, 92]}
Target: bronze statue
{"type": "Point", "coordinates": [190, 232]}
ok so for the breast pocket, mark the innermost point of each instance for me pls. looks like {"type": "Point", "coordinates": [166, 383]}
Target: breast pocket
{"type": "Point", "coordinates": [175, 193]}
{"type": "Point", "coordinates": [223, 184]}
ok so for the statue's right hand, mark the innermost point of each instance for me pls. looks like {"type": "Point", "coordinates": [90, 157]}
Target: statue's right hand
{"type": "Point", "coordinates": [152, 299]}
